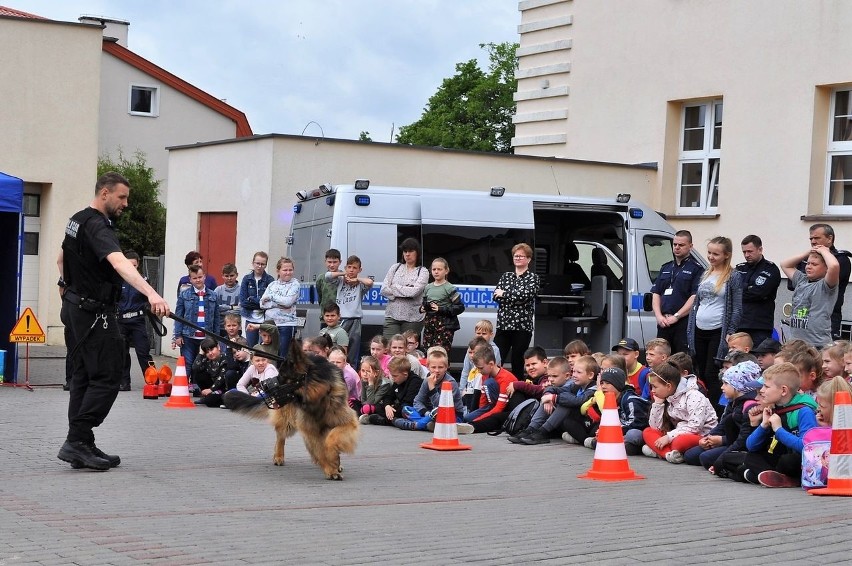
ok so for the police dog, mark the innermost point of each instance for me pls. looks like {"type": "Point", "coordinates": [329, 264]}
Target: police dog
{"type": "Point", "coordinates": [317, 408]}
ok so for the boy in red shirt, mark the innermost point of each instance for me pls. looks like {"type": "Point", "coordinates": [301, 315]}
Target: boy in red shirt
{"type": "Point", "coordinates": [637, 374]}
{"type": "Point", "coordinates": [486, 365]}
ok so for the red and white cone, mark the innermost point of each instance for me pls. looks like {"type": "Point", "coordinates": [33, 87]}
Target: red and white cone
{"type": "Point", "coordinates": [446, 435]}
{"type": "Point", "coordinates": [840, 457]}
{"type": "Point", "coordinates": [610, 463]}
{"type": "Point", "coordinates": [180, 398]}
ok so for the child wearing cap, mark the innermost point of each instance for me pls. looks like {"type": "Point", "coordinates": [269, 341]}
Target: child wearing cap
{"type": "Point", "coordinates": [632, 410]}
{"type": "Point", "coordinates": [739, 385]}
{"type": "Point", "coordinates": [765, 352]}
{"type": "Point", "coordinates": [679, 417]}
{"type": "Point", "coordinates": [637, 374]}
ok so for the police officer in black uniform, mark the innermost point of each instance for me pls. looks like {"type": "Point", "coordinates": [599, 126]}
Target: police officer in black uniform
{"type": "Point", "coordinates": [91, 270]}
{"type": "Point", "coordinates": [674, 292]}
{"type": "Point", "coordinates": [134, 328]}
{"type": "Point", "coordinates": [762, 278]}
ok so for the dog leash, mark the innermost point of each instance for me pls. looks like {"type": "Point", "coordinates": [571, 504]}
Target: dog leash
{"type": "Point", "coordinates": [161, 330]}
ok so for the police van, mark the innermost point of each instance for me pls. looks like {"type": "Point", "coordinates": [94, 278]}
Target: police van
{"type": "Point", "coordinates": [596, 257]}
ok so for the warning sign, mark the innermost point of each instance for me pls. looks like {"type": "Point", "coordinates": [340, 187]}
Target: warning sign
{"type": "Point", "coordinates": [27, 329]}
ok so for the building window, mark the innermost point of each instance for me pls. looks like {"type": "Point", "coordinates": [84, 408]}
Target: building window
{"type": "Point", "coordinates": [839, 167]}
{"type": "Point", "coordinates": [699, 157]}
{"type": "Point", "coordinates": [32, 205]}
{"type": "Point", "coordinates": [144, 100]}
{"type": "Point", "coordinates": [30, 243]}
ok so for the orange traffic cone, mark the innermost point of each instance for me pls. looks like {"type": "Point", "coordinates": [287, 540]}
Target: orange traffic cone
{"type": "Point", "coordinates": [164, 389]}
{"type": "Point", "coordinates": [610, 463]}
{"type": "Point", "coordinates": [151, 389]}
{"type": "Point", "coordinates": [446, 436]}
{"type": "Point", "coordinates": [840, 458]}
{"type": "Point", "coordinates": [180, 391]}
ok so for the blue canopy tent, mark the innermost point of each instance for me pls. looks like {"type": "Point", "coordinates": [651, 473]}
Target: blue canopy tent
{"type": "Point", "coordinates": [11, 261]}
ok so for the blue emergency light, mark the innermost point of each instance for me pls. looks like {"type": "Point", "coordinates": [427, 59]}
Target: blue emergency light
{"type": "Point", "coordinates": [362, 200]}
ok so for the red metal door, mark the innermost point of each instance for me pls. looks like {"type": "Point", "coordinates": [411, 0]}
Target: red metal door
{"type": "Point", "coordinates": [217, 241]}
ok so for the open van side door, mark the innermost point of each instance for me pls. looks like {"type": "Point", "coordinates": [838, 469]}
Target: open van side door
{"type": "Point", "coordinates": [475, 234]}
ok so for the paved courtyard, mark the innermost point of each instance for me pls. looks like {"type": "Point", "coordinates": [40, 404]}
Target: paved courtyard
{"type": "Point", "coordinates": [198, 487]}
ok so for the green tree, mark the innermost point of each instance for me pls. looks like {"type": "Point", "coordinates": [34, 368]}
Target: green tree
{"type": "Point", "coordinates": [364, 136]}
{"type": "Point", "coordinates": [142, 225]}
{"type": "Point", "coordinates": [472, 109]}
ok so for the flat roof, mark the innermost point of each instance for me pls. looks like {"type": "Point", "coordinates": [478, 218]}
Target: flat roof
{"type": "Point", "coordinates": [405, 147]}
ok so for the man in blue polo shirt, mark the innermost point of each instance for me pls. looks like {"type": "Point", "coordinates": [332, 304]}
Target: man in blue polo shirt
{"type": "Point", "coordinates": [674, 292]}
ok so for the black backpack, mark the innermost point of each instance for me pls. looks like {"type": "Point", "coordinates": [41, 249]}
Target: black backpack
{"type": "Point", "coordinates": [519, 419]}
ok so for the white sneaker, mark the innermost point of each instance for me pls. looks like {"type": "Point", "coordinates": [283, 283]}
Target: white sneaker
{"type": "Point", "coordinates": [674, 457]}
{"type": "Point", "coordinates": [364, 419]}
{"type": "Point", "coordinates": [464, 428]}
{"type": "Point", "coordinates": [590, 442]}
{"type": "Point", "coordinates": [646, 450]}
{"type": "Point", "coordinates": [569, 439]}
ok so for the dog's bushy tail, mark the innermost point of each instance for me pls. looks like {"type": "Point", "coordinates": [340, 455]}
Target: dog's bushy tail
{"type": "Point", "coordinates": [252, 407]}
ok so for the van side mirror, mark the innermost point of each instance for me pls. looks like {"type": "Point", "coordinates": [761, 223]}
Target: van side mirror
{"type": "Point", "coordinates": [648, 302]}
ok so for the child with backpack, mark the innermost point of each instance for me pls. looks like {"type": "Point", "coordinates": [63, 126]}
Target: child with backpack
{"type": "Point", "coordinates": [632, 410]}
{"type": "Point", "coordinates": [679, 417]}
{"type": "Point", "coordinates": [774, 457]}
{"type": "Point", "coordinates": [559, 398]}
{"type": "Point", "coordinates": [816, 443]}
{"type": "Point", "coordinates": [739, 386]}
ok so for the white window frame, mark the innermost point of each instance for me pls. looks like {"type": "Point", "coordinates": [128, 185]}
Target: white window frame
{"type": "Point", "coordinates": [706, 156]}
{"type": "Point", "coordinates": [836, 148]}
{"type": "Point", "coordinates": [155, 100]}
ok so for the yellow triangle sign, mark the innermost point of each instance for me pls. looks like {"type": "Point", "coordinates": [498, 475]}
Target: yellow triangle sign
{"type": "Point", "coordinates": [27, 329]}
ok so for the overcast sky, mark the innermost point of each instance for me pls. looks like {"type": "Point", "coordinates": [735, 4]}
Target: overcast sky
{"type": "Point", "coordinates": [349, 65]}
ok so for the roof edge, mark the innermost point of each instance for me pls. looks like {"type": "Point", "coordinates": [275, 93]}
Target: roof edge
{"type": "Point", "coordinates": [243, 129]}
{"type": "Point", "coordinates": [651, 166]}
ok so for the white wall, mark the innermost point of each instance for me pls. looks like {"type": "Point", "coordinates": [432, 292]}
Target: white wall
{"type": "Point", "coordinates": [772, 61]}
{"type": "Point", "coordinates": [181, 119]}
{"type": "Point", "coordinates": [49, 114]}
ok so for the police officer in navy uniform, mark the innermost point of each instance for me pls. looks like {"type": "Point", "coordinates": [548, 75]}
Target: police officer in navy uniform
{"type": "Point", "coordinates": [674, 292]}
{"type": "Point", "coordinates": [91, 269]}
{"type": "Point", "coordinates": [131, 319]}
{"type": "Point", "coordinates": [762, 278]}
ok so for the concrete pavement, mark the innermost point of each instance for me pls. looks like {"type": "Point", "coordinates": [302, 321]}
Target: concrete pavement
{"type": "Point", "coordinates": [198, 487]}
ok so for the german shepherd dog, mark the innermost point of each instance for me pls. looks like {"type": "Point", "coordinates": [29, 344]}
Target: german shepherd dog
{"type": "Point", "coordinates": [315, 404]}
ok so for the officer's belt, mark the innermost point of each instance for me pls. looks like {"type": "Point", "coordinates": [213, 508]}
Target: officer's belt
{"type": "Point", "coordinates": [87, 304]}
{"type": "Point", "coordinates": [131, 314]}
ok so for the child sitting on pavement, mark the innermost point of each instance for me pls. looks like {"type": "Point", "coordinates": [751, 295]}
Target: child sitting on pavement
{"type": "Point", "coordinates": [332, 328]}
{"type": "Point", "coordinates": [632, 410]}
{"type": "Point", "coordinates": [637, 374]}
{"type": "Point", "coordinates": [422, 414]}
{"type": "Point", "coordinates": [470, 384]}
{"type": "Point", "coordinates": [559, 398]}
{"type": "Point", "coordinates": [397, 349]}
{"type": "Point", "coordinates": [374, 386]}
{"type": "Point", "coordinates": [337, 356]}
{"type": "Point", "coordinates": [574, 350]}
{"type": "Point", "coordinates": [485, 330]}
{"type": "Point", "coordinates": [774, 457]}
{"type": "Point", "coordinates": [581, 425]}
{"type": "Point", "coordinates": [535, 365]}
{"type": "Point", "coordinates": [412, 344]}
{"type": "Point", "coordinates": [739, 385]}
{"type": "Point", "coordinates": [405, 386]}
{"type": "Point", "coordinates": [679, 416]}
{"type": "Point", "coordinates": [490, 404]}
{"type": "Point", "coordinates": [208, 369]}
{"type": "Point", "coordinates": [259, 370]}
